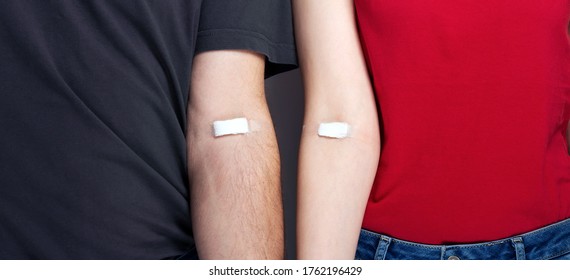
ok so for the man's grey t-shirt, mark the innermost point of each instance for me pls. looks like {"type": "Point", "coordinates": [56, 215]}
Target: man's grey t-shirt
{"type": "Point", "coordinates": [93, 97]}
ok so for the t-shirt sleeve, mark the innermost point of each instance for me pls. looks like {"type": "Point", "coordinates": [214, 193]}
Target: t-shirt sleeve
{"type": "Point", "coordinates": [263, 26]}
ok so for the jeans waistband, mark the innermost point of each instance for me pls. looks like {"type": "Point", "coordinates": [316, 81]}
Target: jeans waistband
{"type": "Point", "coordinates": [544, 243]}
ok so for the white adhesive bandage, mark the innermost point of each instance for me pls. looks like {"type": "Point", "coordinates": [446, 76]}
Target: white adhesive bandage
{"type": "Point", "coordinates": [231, 127]}
{"type": "Point", "coordinates": [334, 130]}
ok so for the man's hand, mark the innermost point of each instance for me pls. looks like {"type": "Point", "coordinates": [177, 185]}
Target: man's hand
{"type": "Point", "coordinates": [234, 180]}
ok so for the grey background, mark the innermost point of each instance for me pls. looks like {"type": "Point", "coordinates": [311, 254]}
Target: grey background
{"type": "Point", "coordinates": [285, 98]}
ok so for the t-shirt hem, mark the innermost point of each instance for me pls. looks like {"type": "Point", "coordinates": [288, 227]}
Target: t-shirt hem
{"type": "Point", "coordinates": [279, 57]}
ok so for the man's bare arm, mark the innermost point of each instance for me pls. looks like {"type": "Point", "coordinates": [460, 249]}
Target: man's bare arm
{"type": "Point", "coordinates": [234, 180]}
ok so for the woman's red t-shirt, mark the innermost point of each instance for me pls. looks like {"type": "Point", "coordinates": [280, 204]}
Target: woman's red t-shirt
{"type": "Point", "coordinates": [474, 97]}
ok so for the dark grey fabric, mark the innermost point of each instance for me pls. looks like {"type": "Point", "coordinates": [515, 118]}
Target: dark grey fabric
{"type": "Point", "coordinates": [92, 118]}
{"type": "Point", "coordinates": [262, 25]}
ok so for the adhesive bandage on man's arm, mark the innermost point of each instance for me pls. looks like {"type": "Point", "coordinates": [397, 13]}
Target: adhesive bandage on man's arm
{"type": "Point", "coordinates": [231, 127]}
{"type": "Point", "coordinates": [336, 130]}
{"type": "Point", "coordinates": [235, 126]}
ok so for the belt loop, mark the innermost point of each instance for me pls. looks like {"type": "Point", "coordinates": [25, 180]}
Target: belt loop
{"type": "Point", "coordinates": [382, 247]}
{"type": "Point", "coordinates": [519, 247]}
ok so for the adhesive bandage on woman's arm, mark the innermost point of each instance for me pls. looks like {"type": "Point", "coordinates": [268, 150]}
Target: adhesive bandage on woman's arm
{"type": "Point", "coordinates": [232, 127]}
{"type": "Point", "coordinates": [336, 130]}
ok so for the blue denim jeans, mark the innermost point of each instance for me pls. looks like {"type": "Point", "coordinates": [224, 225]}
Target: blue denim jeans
{"type": "Point", "coordinates": [550, 242]}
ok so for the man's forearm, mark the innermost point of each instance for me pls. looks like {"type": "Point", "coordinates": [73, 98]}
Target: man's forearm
{"type": "Point", "coordinates": [235, 186]}
{"type": "Point", "coordinates": [236, 202]}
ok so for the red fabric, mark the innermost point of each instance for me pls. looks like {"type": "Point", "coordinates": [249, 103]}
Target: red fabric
{"type": "Point", "coordinates": [474, 98]}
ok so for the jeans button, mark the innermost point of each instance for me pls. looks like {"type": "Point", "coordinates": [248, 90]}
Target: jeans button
{"type": "Point", "coordinates": [453, 258]}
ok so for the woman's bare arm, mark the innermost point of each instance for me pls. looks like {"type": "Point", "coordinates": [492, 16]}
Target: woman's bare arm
{"type": "Point", "coordinates": [335, 175]}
